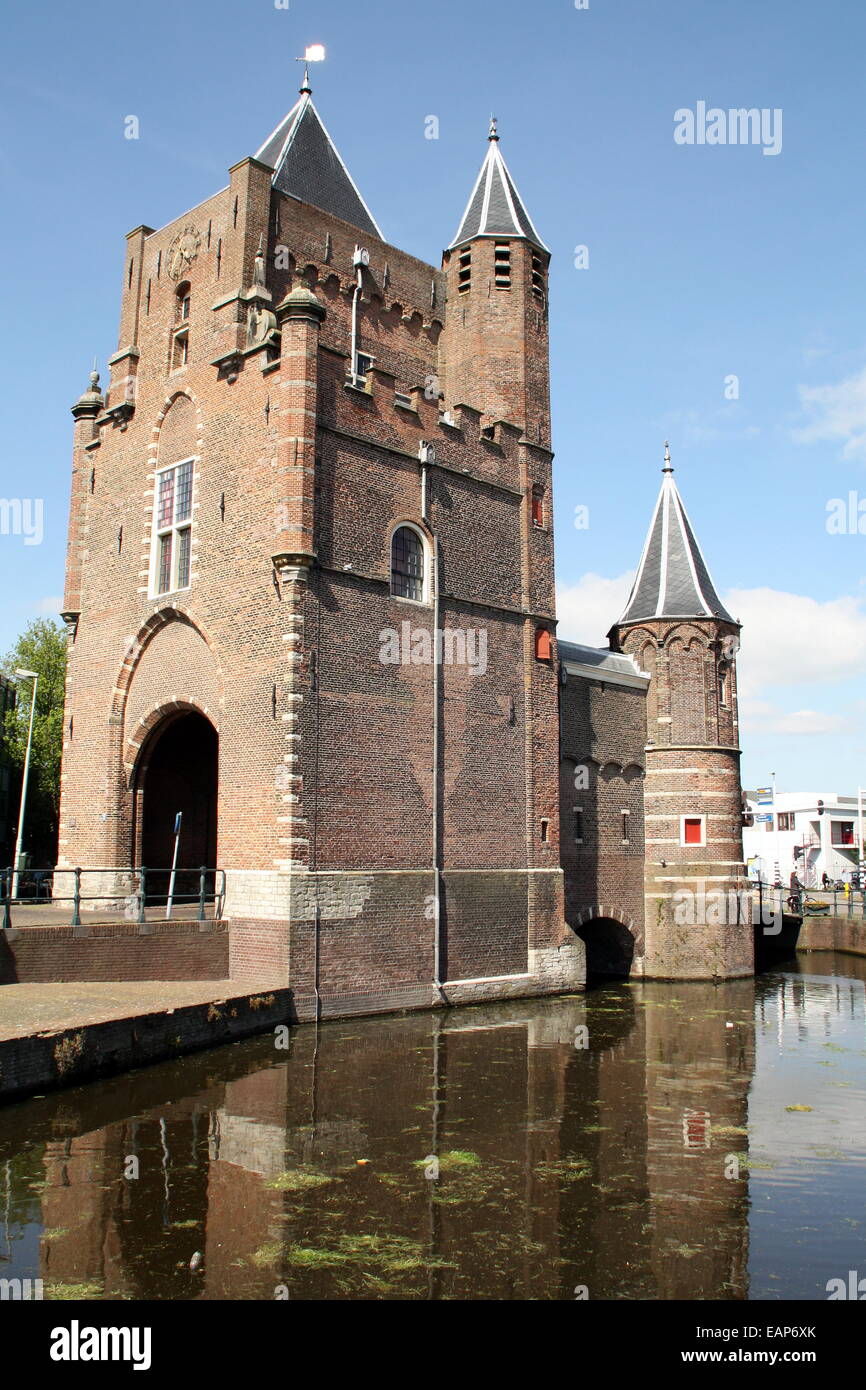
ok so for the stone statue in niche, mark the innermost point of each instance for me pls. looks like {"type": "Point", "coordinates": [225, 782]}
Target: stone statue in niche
{"type": "Point", "coordinates": [261, 324]}
{"type": "Point", "coordinates": [259, 268]}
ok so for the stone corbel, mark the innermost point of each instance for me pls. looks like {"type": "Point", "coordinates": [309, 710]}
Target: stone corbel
{"type": "Point", "coordinates": [292, 567]}
{"type": "Point", "coordinates": [228, 365]}
{"type": "Point", "coordinates": [119, 416]}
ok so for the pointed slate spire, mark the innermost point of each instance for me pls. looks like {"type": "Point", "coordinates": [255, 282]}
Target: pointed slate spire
{"type": "Point", "coordinates": [672, 579]}
{"type": "Point", "coordinates": [495, 208]}
{"type": "Point", "coordinates": [307, 165]}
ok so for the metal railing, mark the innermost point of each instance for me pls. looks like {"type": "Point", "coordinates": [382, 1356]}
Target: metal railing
{"type": "Point", "coordinates": [811, 902]}
{"type": "Point", "coordinates": [147, 888]}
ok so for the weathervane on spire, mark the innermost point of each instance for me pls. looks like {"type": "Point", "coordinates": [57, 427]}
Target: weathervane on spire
{"type": "Point", "coordinates": [492, 133]}
{"type": "Point", "coordinates": [313, 53]}
{"type": "Point", "coordinates": [668, 468]}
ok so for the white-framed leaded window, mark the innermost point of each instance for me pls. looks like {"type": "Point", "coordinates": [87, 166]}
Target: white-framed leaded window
{"type": "Point", "coordinates": [172, 535]}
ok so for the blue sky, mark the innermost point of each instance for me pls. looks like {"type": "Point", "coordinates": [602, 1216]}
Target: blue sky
{"type": "Point", "coordinates": [705, 262]}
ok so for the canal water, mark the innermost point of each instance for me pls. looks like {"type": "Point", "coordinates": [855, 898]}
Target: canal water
{"type": "Point", "coordinates": [644, 1141]}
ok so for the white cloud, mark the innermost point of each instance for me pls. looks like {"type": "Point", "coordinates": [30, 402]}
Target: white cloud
{"type": "Point", "coordinates": [839, 413]}
{"type": "Point", "coordinates": [51, 605]}
{"type": "Point", "coordinates": [763, 717]}
{"type": "Point", "coordinates": [588, 609]}
{"type": "Point", "coordinates": [791, 639]}
{"type": "Point", "coordinates": [693, 428]}
{"type": "Point", "coordinates": [788, 640]}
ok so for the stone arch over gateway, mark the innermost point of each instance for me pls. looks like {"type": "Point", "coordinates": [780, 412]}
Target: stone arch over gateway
{"type": "Point", "coordinates": [169, 667]}
{"type": "Point", "coordinates": [141, 738]}
{"type": "Point", "coordinates": [171, 661]}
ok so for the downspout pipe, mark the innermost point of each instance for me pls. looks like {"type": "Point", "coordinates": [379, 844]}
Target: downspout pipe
{"type": "Point", "coordinates": [437, 897]}
{"type": "Point", "coordinates": [427, 456]}
{"type": "Point", "coordinates": [359, 260]}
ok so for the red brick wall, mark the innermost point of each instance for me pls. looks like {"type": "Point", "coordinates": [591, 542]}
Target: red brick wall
{"type": "Point", "coordinates": [116, 951]}
{"type": "Point", "coordinates": [603, 744]}
{"type": "Point", "coordinates": [506, 330]}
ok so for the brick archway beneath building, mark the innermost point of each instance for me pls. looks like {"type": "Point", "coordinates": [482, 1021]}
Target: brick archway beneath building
{"type": "Point", "coordinates": [177, 771]}
{"type": "Point", "coordinates": [611, 940]}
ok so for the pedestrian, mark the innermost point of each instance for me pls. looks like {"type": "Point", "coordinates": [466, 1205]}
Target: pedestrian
{"type": "Point", "coordinates": [825, 880]}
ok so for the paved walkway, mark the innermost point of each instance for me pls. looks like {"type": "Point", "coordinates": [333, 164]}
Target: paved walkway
{"type": "Point", "coordinates": [38, 1008]}
{"type": "Point", "coordinates": [43, 914]}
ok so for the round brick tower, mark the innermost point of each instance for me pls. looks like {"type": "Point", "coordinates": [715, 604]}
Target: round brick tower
{"type": "Point", "coordinates": [675, 626]}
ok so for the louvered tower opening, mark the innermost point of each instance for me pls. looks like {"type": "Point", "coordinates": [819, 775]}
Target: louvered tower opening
{"type": "Point", "coordinates": [537, 278]}
{"type": "Point", "coordinates": [502, 265]}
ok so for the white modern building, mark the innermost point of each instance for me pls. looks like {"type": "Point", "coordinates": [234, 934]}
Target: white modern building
{"type": "Point", "coordinates": [812, 832]}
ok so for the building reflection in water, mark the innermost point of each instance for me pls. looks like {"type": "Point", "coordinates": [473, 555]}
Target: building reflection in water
{"type": "Point", "coordinates": [310, 1173]}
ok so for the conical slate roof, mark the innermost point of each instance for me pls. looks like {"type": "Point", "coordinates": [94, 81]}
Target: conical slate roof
{"type": "Point", "coordinates": [672, 579]}
{"type": "Point", "coordinates": [307, 165]}
{"type": "Point", "coordinates": [495, 207]}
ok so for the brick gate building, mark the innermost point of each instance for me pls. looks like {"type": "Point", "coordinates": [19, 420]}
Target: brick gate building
{"type": "Point", "coordinates": [310, 602]}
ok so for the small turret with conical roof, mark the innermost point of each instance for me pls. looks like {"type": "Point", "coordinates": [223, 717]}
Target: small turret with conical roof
{"type": "Point", "coordinates": [672, 580]}
{"type": "Point", "coordinates": [496, 342]}
{"type": "Point", "coordinates": [679, 632]}
{"type": "Point", "coordinates": [495, 208]}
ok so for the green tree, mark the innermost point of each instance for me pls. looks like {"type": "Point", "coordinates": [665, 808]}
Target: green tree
{"type": "Point", "coordinates": [40, 648]}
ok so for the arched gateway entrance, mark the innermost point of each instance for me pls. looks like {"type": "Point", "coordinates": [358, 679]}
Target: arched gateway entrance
{"type": "Point", "coordinates": [177, 772]}
{"type": "Point", "coordinates": [609, 948]}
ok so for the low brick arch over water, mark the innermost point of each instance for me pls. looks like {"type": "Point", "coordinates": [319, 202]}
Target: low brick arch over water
{"type": "Point", "coordinates": [611, 942]}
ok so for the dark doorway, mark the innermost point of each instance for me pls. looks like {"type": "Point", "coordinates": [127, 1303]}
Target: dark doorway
{"type": "Point", "coordinates": [179, 773]}
{"type": "Point", "coordinates": [609, 949]}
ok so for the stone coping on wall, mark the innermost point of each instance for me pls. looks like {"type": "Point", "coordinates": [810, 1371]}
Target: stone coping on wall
{"type": "Point", "coordinates": [844, 934]}
{"type": "Point", "coordinates": [60, 1035]}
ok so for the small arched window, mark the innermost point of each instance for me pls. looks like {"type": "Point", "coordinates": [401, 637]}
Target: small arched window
{"type": "Point", "coordinates": [543, 649]}
{"type": "Point", "coordinates": [723, 684]}
{"type": "Point", "coordinates": [407, 564]}
{"type": "Point", "coordinates": [180, 335]}
{"type": "Point", "coordinates": [182, 302]}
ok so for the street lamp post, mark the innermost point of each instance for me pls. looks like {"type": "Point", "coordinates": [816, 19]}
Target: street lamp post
{"type": "Point", "coordinates": [25, 675]}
